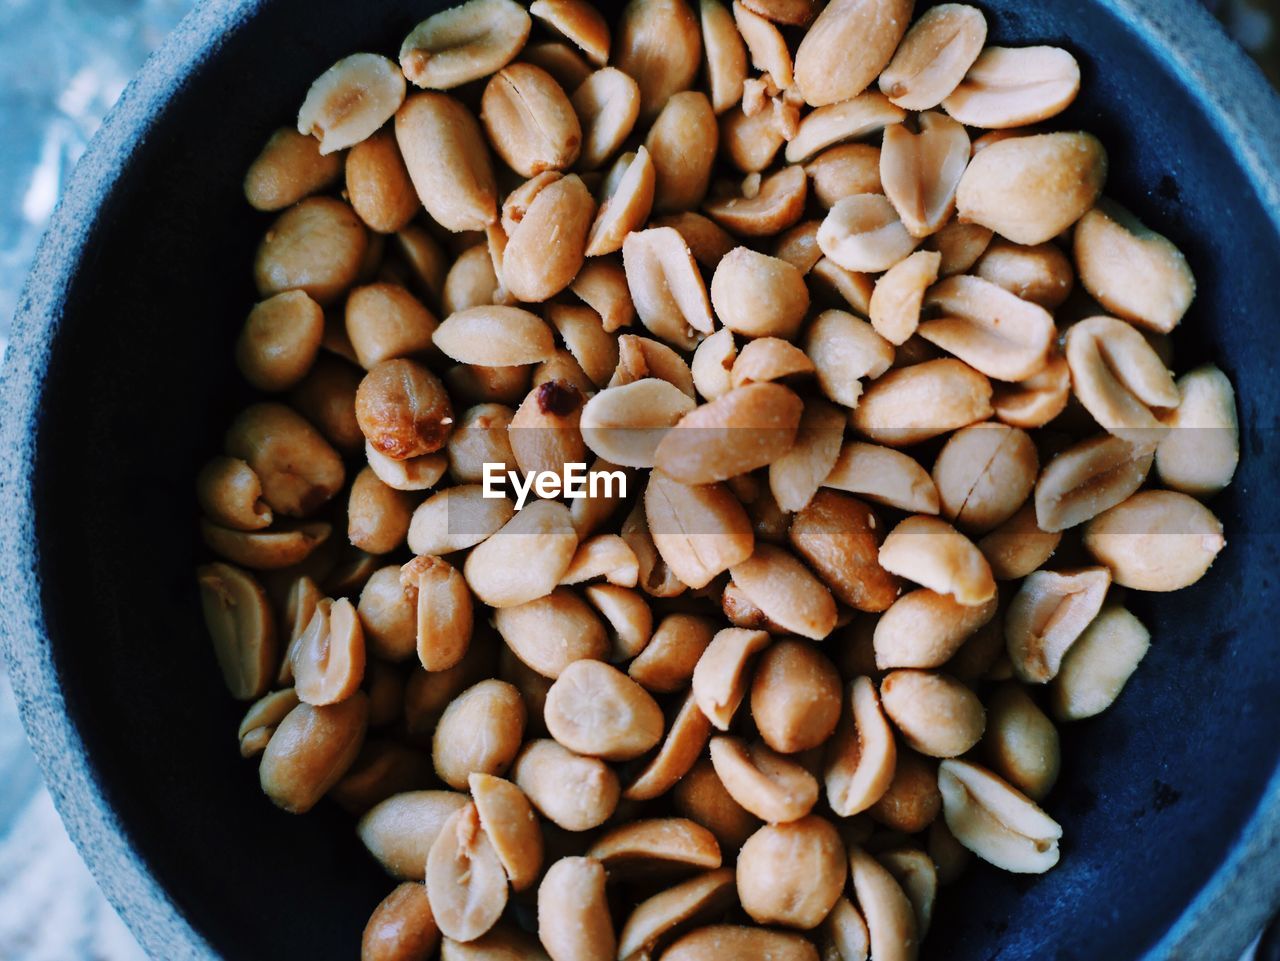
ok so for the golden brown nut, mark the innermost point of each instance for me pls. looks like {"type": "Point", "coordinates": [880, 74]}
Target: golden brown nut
{"type": "Point", "coordinates": [529, 120]}
{"type": "Point", "coordinates": [912, 801]}
{"type": "Point", "coordinates": [466, 882]}
{"type": "Point", "coordinates": [1021, 742]}
{"type": "Point", "coordinates": [1015, 86]}
{"type": "Point", "coordinates": [741, 943]}
{"type": "Point", "coordinates": [1048, 613]}
{"type": "Point", "coordinates": [317, 247]}
{"type": "Point", "coordinates": [791, 874]}
{"type": "Point", "coordinates": [746, 428]}
{"type": "Point", "coordinates": [297, 468]}
{"type": "Point", "coordinates": [400, 831]}
{"type": "Point", "coordinates": [795, 696]}
{"type": "Point", "coordinates": [289, 168]}
{"type": "Point", "coordinates": [786, 592]}
{"type": "Point", "coordinates": [912, 404]}
{"type": "Point", "coordinates": [847, 46]}
{"type": "Point", "coordinates": [402, 927]}
{"type": "Point", "coordinates": [996, 822]}
{"type": "Point", "coordinates": [311, 750]}
{"type": "Point", "coordinates": [1200, 453]}
{"type": "Point", "coordinates": [925, 629]}
{"type": "Point", "coordinates": [984, 473]}
{"type": "Point", "coordinates": [479, 733]}
{"type": "Point", "coordinates": [759, 296]}
{"type": "Point", "coordinates": [464, 43]}
{"type": "Point", "coordinates": [573, 912]}
{"type": "Point", "coordinates": [238, 617]}
{"type": "Point", "coordinates": [351, 100]}
{"type": "Point", "coordinates": [230, 494]}
{"type": "Point", "coordinates": [770, 786]}
{"type": "Point", "coordinates": [934, 56]}
{"type": "Point", "coordinates": [328, 659]}
{"type": "Point", "coordinates": [384, 321]}
{"type": "Point", "coordinates": [576, 793]}
{"type": "Point", "coordinates": [937, 715]}
{"type": "Point", "coordinates": [280, 340]}
{"type": "Point", "coordinates": [658, 42]}
{"type": "Point", "coordinates": [403, 410]}
{"type": "Point", "coordinates": [595, 710]}
{"type": "Point", "coordinates": [448, 160]}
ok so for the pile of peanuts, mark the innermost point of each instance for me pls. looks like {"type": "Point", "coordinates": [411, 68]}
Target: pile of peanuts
{"type": "Point", "coordinates": [805, 277]}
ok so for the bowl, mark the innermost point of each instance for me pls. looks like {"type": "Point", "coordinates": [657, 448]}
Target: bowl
{"type": "Point", "coordinates": [119, 380]}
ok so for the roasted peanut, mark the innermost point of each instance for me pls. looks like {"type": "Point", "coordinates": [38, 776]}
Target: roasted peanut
{"type": "Point", "coordinates": [784, 590]}
{"type": "Point", "coordinates": [996, 822]}
{"type": "Point", "coordinates": [764, 782]}
{"type": "Point", "coordinates": [890, 917]}
{"type": "Point", "coordinates": [925, 629]}
{"type": "Point", "coordinates": [659, 43]}
{"type": "Point", "coordinates": [885, 476]}
{"type": "Point", "coordinates": [457, 518]}
{"type": "Point", "coordinates": [864, 233]}
{"type": "Point", "coordinates": [238, 617]}
{"type": "Point", "coordinates": [464, 43]}
{"type": "Point", "coordinates": [741, 943]}
{"type": "Point", "coordinates": [576, 793]}
{"type": "Point", "coordinates": [316, 247]}
{"type": "Point", "coordinates": [746, 428]}
{"type": "Point", "coordinates": [1156, 540]}
{"type": "Point", "coordinates": [351, 100]}
{"type": "Point", "coordinates": [529, 120]}
{"type": "Point", "coordinates": [934, 56]}
{"type": "Point", "coordinates": [402, 927]}
{"type": "Point", "coordinates": [1018, 546]}
{"type": "Point", "coordinates": [311, 750]}
{"type": "Point", "coordinates": [791, 874]}
{"type": "Point", "coordinates": [230, 494]}
{"type": "Point", "coordinates": [912, 404]}
{"type": "Point", "coordinates": [479, 733]}
{"type": "Point", "coordinates": [932, 553]}
{"type": "Point", "coordinates": [1119, 378]}
{"type": "Point", "coordinates": [596, 710]}
{"type": "Point", "coordinates": [403, 410]}
{"type": "Point", "coordinates": [757, 295]}
{"type": "Point", "coordinates": [578, 21]}
{"type": "Point", "coordinates": [573, 912]}
{"type": "Point", "coordinates": [795, 697]}
{"type": "Point", "coordinates": [1088, 478]}
{"type": "Point", "coordinates": [385, 321]}
{"type": "Point", "coordinates": [912, 801]}
{"type": "Point", "coordinates": [280, 340]}
{"type": "Point", "coordinates": [525, 559]}
{"type": "Point", "coordinates": [1021, 742]}
{"type": "Point", "coordinates": [328, 659]}
{"type": "Point", "coordinates": [937, 715]}
{"type": "Point", "coordinates": [847, 46]}
{"type": "Point", "coordinates": [984, 473]}
{"type": "Point", "coordinates": [777, 205]}
{"type": "Point", "coordinates": [289, 168]}
{"type": "Point", "coordinates": [551, 632]}
{"type": "Point", "coordinates": [1048, 614]}
{"type": "Point", "coordinates": [447, 158]}
{"type": "Point", "coordinates": [654, 919]}
{"type": "Point", "coordinates": [466, 882]}
{"type": "Point", "coordinates": [1199, 454]}
{"type": "Point", "coordinates": [1015, 86]}
{"type": "Point", "coordinates": [1041, 274]}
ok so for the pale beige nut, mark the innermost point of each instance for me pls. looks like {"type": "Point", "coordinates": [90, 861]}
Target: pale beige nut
{"type": "Point", "coordinates": [899, 295]}
{"type": "Point", "coordinates": [471, 281]}
{"type": "Point", "coordinates": [448, 160]}
{"type": "Point", "coordinates": [757, 295]}
{"type": "Point", "coordinates": [1038, 399]}
{"type": "Point", "coordinates": [529, 120]}
{"type": "Point", "coordinates": [685, 741]}
{"type": "Point", "coordinates": [912, 404]}
{"type": "Point", "coordinates": [1131, 270]}
{"type": "Point", "coordinates": [996, 822]}
{"type": "Point", "coordinates": [682, 142]}
{"type": "Point", "coordinates": [1156, 540]}
{"type": "Point", "coordinates": [920, 172]}
{"type": "Point", "coordinates": [843, 935]}
{"type": "Point", "coordinates": [317, 246]}
{"type": "Point", "coordinates": [934, 56]}
{"type": "Point", "coordinates": [796, 476]}
{"type": "Point", "coordinates": [769, 358]}
{"type": "Point", "coordinates": [741, 943]}
{"type": "Point", "coordinates": [574, 923]}
{"type": "Point", "coordinates": [1048, 614]}
{"type": "Point", "coordinates": [262, 719]}
{"type": "Point", "coordinates": [607, 104]}
{"type": "Point", "coordinates": [795, 696]}
{"type": "Point", "coordinates": [326, 397]}
{"type": "Point", "coordinates": [545, 434]}
{"type": "Point", "coordinates": [654, 847]}
{"type": "Point", "coordinates": [699, 530]}
{"type": "Point", "coordinates": [770, 786]}
{"type": "Point", "coordinates": [669, 294]}
{"type": "Point", "coordinates": [844, 350]}
{"type": "Point", "coordinates": [602, 285]}
{"type": "Point", "coordinates": [457, 518]}
{"type": "Point", "coordinates": [659, 43]}
{"type": "Point", "coordinates": [494, 336]}
{"type": "Point", "coordinates": [283, 545]}
{"type": "Point", "coordinates": [466, 882]}
{"type": "Point", "coordinates": [987, 327]}
{"type": "Point", "coordinates": [765, 45]}
{"type": "Point", "coordinates": [578, 21]}
{"type": "Point", "coordinates": [984, 473]}
{"type": "Point", "coordinates": [750, 143]}
{"type": "Point", "coordinates": [547, 249]}
{"type": "Point", "coordinates": [1199, 454]}
{"type": "Point", "coordinates": [777, 205]}
{"type": "Point", "coordinates": [668, 661]}
{"type": "Point", "coordinates": [401, 927]}
{"type": "Point", "coordinates": [625, 424]}
{"type": "Point", "coordinates": [912, 801]}
{"type": "Point", "coordinates": [726, 55]}
{"type": "Point", "coordinates": [884, 476]}
{"type": "Point", "coordinates": [503, 942]}
{"type": "Point", "coordinates": [791, 874]}
{"type": "Point", "coordinates": [387, 613]}
{"type": "Point", "coordinates": [289, 168]}
{"type": "Point", "coordinates": [311, 750]}
{"type": "Point", "coordinates": [550, 633]}
{"type": "Point", "coordinates": [595, 710]}
{"type": "Point", "coordinates": [720, 679]}
{"type": "Point", "coordinates": [839, 537]}
{"type": "Point", "coordinates": [378, 184]}
{"type": "Point", "coordinates": [707, 240]}
{"type": "Point", "coordinates": [464, 43]}
{"type": "Point", "coordinates": [746, 428]}
{"type": "Point", "coordinates": [1018, 546]}
{"type": "Point", "coordinates": [562, 61]}
{"type": "Point", "coordinates": [511, 825]}
{"type": "Point", "coordinates": [960, 244]}
{"type": "Point", "coordinates": [657, 918]}
{"type": "Point", "coordinates": [713, 362]}
{"type": "Point", "coordinates": [525, 559]}
{"type": "Point", "coordinates": [444, 616]}
{"type": "Point", "coordinates": [844, 170]}
{"type": "Point", "coordinates": [890, 917]}
{"type": "Point", "coordinates": [1021, 742]}
{"type": "Point", "coordinates": [1015, 86]}
{"type": "Point", "coordinates": [573, 792]}
{"type": "Point", "coordinates": [925, 629]}
{"type": "Point", "coordinates": [280, 340]}
{"type": "Point", "coordinates": [847, 46]}
{"type": "Point", "coordinates": [385, 321]}
{"type": "Point", "coordinates": [936, 714]}
{"type": "Point", "coordinates": [607, 556]}
{"type": "Point", "coordinates": [832, 283]}
{"type": "Point", "coordinates": [400, 831]}
{"type": "Point", "coordinates": [1041, 274]}
{"type": "Point", "coordinates": [242, 626]}
{"type": "Point", "coordinates": [479, 438]}
{"type": "Point", "coordinates": [1088, 478]}
{"type": "Point", "coordinates": [627, 616]}
{"type": "Point", "coordinates": [1099, 665]}
{"type": "Point", "coordinates": [1032, 188]}
{"type": "Point", "coordinates": [864, 233]}
{"type": "Point", "coordinates": [786, 592]}
{"type": "Point", "coordinates": [377, 515]}
{"type": "Point", "coordinates": [851, 120]}
{"type": "Point", "coordinates": [479, 732]}
{"type": "Point", "coordinates": [328, 659]}
{"type": "Point", "coordinates": [1119, 378]}
{"type": "Point", "coordinates": [935, 555]}
{"type": "Point", "coordinates": [230, 494]}
{"type": "Point", "coordinates": [917, 875]}
{"type": "Point", "coordinates": [403, 409]}
{"type": "Point", "coordinates": [351, 100]}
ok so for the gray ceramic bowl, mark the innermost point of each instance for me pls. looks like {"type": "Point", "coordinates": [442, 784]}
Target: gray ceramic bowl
{"type": "Point", "coordinates": [119, 381]}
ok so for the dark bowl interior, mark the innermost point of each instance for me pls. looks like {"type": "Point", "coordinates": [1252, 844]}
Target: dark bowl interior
{"type": "Point", "coordinates": [1155, 794]}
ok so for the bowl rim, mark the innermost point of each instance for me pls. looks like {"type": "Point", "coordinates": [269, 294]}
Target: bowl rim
{"type": "Point", "coordinates": [1219, 921]}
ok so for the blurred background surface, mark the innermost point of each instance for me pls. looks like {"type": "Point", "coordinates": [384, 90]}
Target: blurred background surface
{"type": "Point", "coordinates": [63, 63]}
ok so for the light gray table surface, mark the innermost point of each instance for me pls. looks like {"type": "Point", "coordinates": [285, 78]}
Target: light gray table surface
{"type": "Point", "coordinates": [63, 63]}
